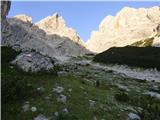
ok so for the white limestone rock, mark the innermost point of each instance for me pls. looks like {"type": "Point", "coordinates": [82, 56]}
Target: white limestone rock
{"type": "Point", "coordinates": [58, 89]}
{"type": "Point", "coordinates": [128, 26]}
{"type": "Point", "coordinates": [62, 73]}
{"type": "Point", "coordinates": [133, 116]}
{"type": "Point", "coordinates": [56, 113]}
{"type": "Point", "coordinates": [156, 42]}
{"type": "Point", "coordinates": [55, 24]}
{"type": "Point", "coordinates": [62, 98]}
{"type": "Point", "coordinates": [40, 117]}
{"type": "Point", "coordinates": [153, 94]}
{"type": "Point", "coordinates": [24, 18]}
{"type": "Point", "coordinates": [25, 107]}
{"type": "Point", "coordinates": [33, 109]}
{"type": "Point", "coordinates": [92, 103]}
{"type": "Point", "coordinates": [65, 110]}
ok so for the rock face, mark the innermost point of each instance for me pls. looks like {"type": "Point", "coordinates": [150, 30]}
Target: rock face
{"type": "Point", "coordinates": [5, 27]}
{"type": "Point", "coordinates": [33, 62]}
{"type": "Point", "coordinates": [55, 43]}
{"type": "Point", "coordinates": [55, 24]}
{"type": "Point", "coordinates": [128, 26]}
{"type": "Point", "coordinates": [5, 7]}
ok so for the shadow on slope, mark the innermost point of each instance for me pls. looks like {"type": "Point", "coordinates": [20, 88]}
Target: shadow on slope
{"type": "Point", "coordinates": [146, 57]}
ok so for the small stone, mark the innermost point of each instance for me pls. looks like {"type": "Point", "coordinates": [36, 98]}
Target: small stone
{"type": "Point", "coordinates": [122, 87]}
{"type": "Point", "coordinates": [41, 89]}
{"type": "Point", "coordinates": [65, 110]}
{"type": "Point", "coordinates": [133, 116]}
{"type": "Point", "coordinates": [62, 73]}
{"type": "Point", "coordinates": [94, 118]}
{"type": "Point", "coordinates": [11, 67]}
{"type": "Point", "coordinates": [103, 108]}
{"type": "Point", "coordinates": [70, 90]}
{"type": "Point", "coordinates": [33, 109]}
{"type": "Point", "coordinates": [40, 117]}
{"type": "Point", "coordinates": [25, 107]}
{"type": "Point", "coordinates": [92, 103]}
{"type": "Point", "coordinates": [58, 89]}
{"type": "Point", "coordinates": [47, 97]}
{"type": "Point", "coordinates": [27, 102]}
{"type": "Point", "coordinates": [56, 113]}
{"type": "Point", "coordinates": [62, 98]}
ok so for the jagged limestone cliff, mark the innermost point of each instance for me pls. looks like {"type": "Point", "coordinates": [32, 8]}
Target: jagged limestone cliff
{"type": "Point", "coordinates": [127, 27]}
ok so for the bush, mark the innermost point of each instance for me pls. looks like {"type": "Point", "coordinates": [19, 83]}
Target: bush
{"type": "Point", "coordinates": [16, 88]}
{"type": "Point", "coordinates": [8, 54]}
{"type": "Point", "coordinates": [122, 97]}
{"type": "Point", "coordinates": [150, 107]}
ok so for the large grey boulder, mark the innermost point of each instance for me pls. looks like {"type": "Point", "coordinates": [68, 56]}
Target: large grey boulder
{"type": "Point", "coordinates": [33, 62]}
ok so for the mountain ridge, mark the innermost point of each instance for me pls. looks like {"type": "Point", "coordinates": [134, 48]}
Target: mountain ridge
{"type": "Point", "coordinates": [129, 25]}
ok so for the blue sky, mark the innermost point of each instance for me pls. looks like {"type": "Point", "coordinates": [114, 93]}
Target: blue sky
{"type": "Point", "coordinates": [82, 16]}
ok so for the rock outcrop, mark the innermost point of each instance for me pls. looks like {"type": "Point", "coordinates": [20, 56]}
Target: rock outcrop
{"type": "Point", "coordinates": [57, 44]}
{"type": "Point", "coordinates": [5, 27]}
{"type": "Point", "coordinates": [127, 27]}
{"type": "Point", "coordinates": [33, 62]}
{"type": "Point", "coordinates": [5, 7]}
{"type": "Point", "coordinates": [55, 24]}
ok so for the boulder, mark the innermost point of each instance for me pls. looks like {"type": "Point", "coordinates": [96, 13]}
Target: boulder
{"type": "Point", "coordinates": [133, 116]}
{"type": "Point", "coordinates": [40, 117]}
{"type": "Point", "coordinates": [33, 62]}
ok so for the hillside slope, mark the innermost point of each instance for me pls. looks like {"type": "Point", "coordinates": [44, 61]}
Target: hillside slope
{"type": "Point", "coordinates": [23, 35]}
{"type": "Point", "coordinates": [147, 57]}
{"type": "Point", "coordinates": [75, 95]}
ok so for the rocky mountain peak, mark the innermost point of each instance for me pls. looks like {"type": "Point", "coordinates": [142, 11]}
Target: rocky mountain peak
{"type": "Point", "coordinates": [24, 18]}
{"type": "Point", "coordinates": [55, 24]}
{"type": "Point", "coordinates": [50, 37]}
{"type": "Point", "coordinates": [128, 26]}
{"type": "Point", "coordinates": [52, 23]}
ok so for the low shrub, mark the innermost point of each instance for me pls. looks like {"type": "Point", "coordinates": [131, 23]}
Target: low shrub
{"type": "Point", "coordinates": [150, 107]}
{"type": "Point", "coordinates": [8, 54]}
{"type": "Point", "coordinates": [16, 88]}
{"type": "Point", "coordinates": [122, 97]}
